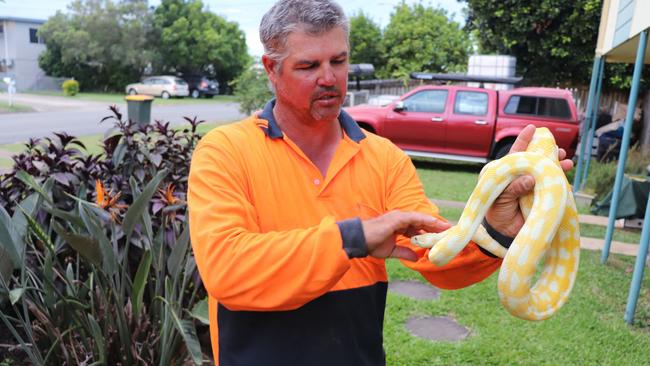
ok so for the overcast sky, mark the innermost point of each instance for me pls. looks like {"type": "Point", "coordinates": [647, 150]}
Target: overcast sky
{"type": "Point", "coordinates": [247, 13]}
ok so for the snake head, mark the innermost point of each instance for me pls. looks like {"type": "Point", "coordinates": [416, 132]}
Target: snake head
{"type": "Point", "coordinates": [427, 240]}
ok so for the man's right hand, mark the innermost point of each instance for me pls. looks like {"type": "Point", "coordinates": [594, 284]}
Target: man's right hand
{"type": "Point", "coordinates": [381, 232]}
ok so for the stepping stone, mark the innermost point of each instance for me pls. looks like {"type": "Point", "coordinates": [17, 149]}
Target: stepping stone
{"type": "Point", "coordinates": [414, 289]}
{"type": "Point", "coordinates": [439, 328]}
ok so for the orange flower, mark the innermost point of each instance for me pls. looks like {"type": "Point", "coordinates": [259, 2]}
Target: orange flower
{"type": "Point", "coordinates": [167, 195]}
{"type": "Point", "coordinates": [166, 198]}
{"type": "Point", "coordinates": [99, 191]}
{"type": "Point", "coordinates": [108, 203]}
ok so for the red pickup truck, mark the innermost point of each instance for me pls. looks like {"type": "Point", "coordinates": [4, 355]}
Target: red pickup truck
{"type": "Point", "coordinates": [470, 124]}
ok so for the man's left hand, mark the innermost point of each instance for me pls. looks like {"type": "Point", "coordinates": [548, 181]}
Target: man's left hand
{"type": "Point", "coordinates": [505, 215]}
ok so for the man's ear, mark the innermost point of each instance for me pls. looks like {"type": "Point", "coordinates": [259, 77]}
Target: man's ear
{"type": "Point", "coordinates": [270, 66]}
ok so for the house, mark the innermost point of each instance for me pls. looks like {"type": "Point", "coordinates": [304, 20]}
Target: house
{"type": "Point", "coordinates": [19, 50]}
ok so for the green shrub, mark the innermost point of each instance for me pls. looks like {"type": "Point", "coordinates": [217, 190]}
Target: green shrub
{"type": "Point", "coordinates": [70, 87]}
{"type": "Point", "coordinates": [251, 90]}
{"type": "Point", "coordinates": [95, 260]}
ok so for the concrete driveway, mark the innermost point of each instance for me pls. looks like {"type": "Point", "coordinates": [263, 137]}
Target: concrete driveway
{"type": "Point", "coordinates": [83, 118]}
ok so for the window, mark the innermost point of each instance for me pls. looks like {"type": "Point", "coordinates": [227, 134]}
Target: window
{"type": "Point", "coordinates": [553, 107]}
{"type": "Point", "coordinates": [474, 103]}
{"type": "Point", "coordinates": [539, 106]}
{"type": "Point", "coordinates": [521, 105]}
{"type": "Point", "coordinates": [33, 36]}
{"type": "Point", "coordinates": [432, 101]}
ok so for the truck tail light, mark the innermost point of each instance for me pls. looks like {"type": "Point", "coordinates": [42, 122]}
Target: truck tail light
{"type": "Point", "coordinates": [204, 84]}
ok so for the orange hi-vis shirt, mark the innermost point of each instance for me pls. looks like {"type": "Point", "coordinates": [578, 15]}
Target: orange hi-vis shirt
{"type": "Point", "coordinates": [280, 248]}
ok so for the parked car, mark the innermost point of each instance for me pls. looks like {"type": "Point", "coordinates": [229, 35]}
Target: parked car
{"type": "Point", "coordinates": [382, 100]}
{"type": "Point", "coordinates": [470, 124]}
{"type": "Point", "coordinates": [160, 86]}
{"type": "Point", "coordinates": [201, 86]}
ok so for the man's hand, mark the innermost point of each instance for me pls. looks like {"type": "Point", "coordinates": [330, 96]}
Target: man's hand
{"type": "Point", "coordinates": [504, 215]}
{"type": "Point", "coordinates": [381, 232]}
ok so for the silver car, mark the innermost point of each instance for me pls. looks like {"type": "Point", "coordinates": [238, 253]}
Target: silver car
{"type": "Point", "coordinates": [160, 86]}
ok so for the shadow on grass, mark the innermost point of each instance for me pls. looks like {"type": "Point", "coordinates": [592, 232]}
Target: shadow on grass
{"type": "Point", "coordinates": [452, 166]}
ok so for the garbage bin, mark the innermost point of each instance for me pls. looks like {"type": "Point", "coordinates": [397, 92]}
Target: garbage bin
{"type": "Point", "coordinates": [139, 108]}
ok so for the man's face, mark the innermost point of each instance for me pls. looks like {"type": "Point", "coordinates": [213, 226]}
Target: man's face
{"type": "Point", "coordinates": [312, 79]}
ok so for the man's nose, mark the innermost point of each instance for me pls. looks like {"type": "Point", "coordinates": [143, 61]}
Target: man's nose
{"type": "Point", "coordinates": [327, 76]}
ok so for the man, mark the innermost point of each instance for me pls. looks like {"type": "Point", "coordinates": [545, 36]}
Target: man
{"type": "Point", "coordinates": [294, 210]}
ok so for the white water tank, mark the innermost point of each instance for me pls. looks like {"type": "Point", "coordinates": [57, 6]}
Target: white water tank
{"type": "Point", "coordinates": [492, 65]}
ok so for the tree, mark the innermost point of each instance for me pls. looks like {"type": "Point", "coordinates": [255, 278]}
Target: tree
{"type": "Point", "coordinates": [193, 40]}
{"type": "Point", "coordinates": [365, 40]}
{"type": "Point", "coordinates": [422, 38]}
{"type": "Point", "coordinates": [251, 89]}
{"type": "Point", "coordinates": [554, 41]}
{"type": "Point", "coordinates": [102, 44]}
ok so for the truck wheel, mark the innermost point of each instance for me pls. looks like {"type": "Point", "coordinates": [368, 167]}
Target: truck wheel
{"type": "Point", "coordinates": [195, 94]}
{"type": "Point", "coordinates": [132, 92]}
{"type": "Point", "coordinates": [503, 150]}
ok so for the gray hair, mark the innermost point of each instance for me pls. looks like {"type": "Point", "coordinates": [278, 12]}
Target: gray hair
{"type": "Point", "coordinates": [314, 17]}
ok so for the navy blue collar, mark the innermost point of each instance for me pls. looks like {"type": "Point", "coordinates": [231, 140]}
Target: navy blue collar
{"type": "Point", "coordinates": [273, 131]}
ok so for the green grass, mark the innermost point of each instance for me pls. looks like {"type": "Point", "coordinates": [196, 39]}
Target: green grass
{"type": "Point", "coordinates": [116, 98]}
{"type": "Point", "coordinates": [622, 235]}
{"type": "Point", "coordinates": [588, 330]}
{"type": "Point", "coordinates": [5, 163]}
{"type": "Point", "coordinates": [15, 108]}
{"type": "Point", "coordinates": [92, 143]}
{"type": "Point", "coordinates": [448, 181]}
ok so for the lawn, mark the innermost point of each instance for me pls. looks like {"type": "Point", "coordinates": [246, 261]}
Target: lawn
{"type": "Point", "coordinates": [588, 330]}
{"type": "Point", "coordinates": [15, 108]}
{"type": "Point", "coordinates": [116, 98]}
{"type": "Point", "coordinates": [92, 143]}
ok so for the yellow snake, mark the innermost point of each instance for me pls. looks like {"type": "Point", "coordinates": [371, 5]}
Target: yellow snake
{"type": "Point", "coordinates": [550, 232]}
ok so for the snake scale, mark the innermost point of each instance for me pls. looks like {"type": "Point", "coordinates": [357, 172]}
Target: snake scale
{"type": "Point", "coordinates": [550, 233]}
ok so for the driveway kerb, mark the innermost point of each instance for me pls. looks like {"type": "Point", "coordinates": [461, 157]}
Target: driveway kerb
{"type": "Point", "coordinates": [45, 103]}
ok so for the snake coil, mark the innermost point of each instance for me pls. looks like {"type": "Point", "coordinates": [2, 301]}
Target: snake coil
{"type": "Point", "coordinates": [550, 233]}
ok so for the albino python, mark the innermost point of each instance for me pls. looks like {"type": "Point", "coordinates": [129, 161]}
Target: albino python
{"type": "Point", "coordinates": [550, 233]}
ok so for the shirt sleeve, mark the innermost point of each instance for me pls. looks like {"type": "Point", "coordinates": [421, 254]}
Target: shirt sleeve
{"type": "Point", "coordinates": [241, 267]}
{"type": "Point", "coordinates": [406, 193]}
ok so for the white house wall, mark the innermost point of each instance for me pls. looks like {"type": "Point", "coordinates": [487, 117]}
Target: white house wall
{"type": "Point", "coordinates": [620, 25]}
{"type": "Point", "coordinates": [641, 19]}
{"type": "Point", "coordinates": [24, 55]}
